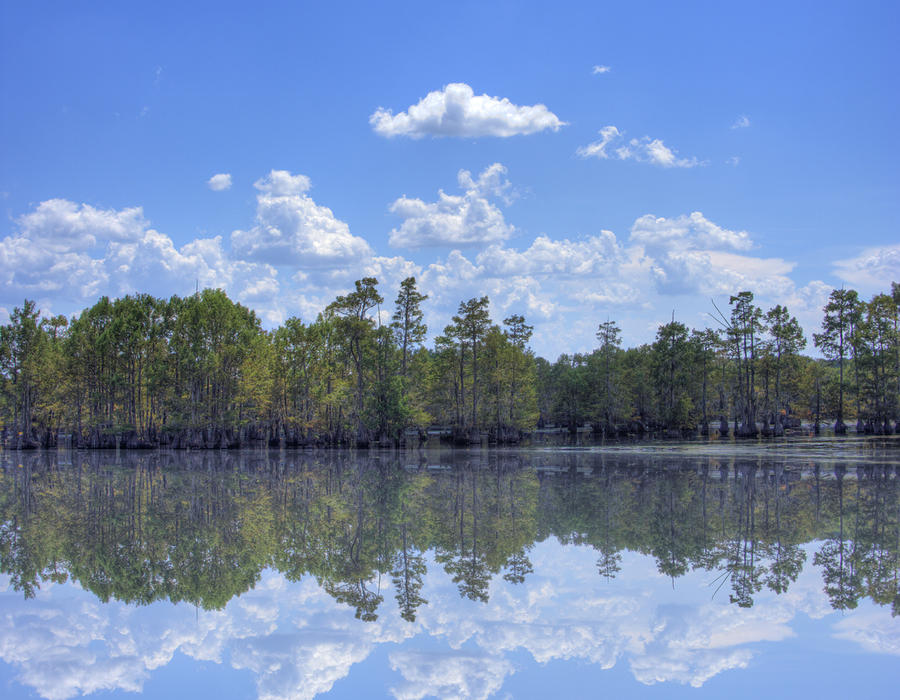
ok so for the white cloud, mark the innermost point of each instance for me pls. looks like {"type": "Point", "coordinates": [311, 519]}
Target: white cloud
{"type": "Point", "coordinates": [664, 634]}
{"type": "Point", "coordinates": [294, 261]}
{"type": "Point", "coordinates": [595, 255]}
{"type": "Point", "coordinates": [456, 220]}
{"type": "Point", "coordinates": [560, 285]}
{"type": "Point", "coordinates": [873, 269]}
{"type": "Point", "coordinates": [657, 153]}
{"type": "Point", "coordinates": [599, 70]}
{"type": "Point", "coordinates": [692, 231]}
{"type": "Point", "coordinates": [806, 303]}
{"type": "Point", "coordinates": [691, 254]}
{"type": "Point", "coordinates": [219, 182]}
{"type": "Point", "coordinates": [59, 225]}
{"type": "Point", "coordinates": [742, 122]}
{"type": "Point", "coordinates": [27, 270]}
{"type": "Point", "coordinates": [733, 160]}
{"type": "Point", "coordinates": [642, 150]}
{"type": "Point", "coordinates": [156, 266]}
{"type": "Point", "coordinates": [297, 641]}
{"type": "Point", "coordinates": [301, 664]}
{"type": "Point", "coordinates": [291, 229]}
{"type": "Point", "coordinates": [391, 271]}
{"type": "Point", "coordinates": [694, 668]}
{"type": "Point", "coordinates": [457, 111]}
{"type": "Point", "coordinates": [448, 675]}
{"type": "Point", "coordinates": [298, 257]}
{"type": "Point", "coordinates": [872, 631]}
{"type": "Point", "coordinates": [597, 149]}
{"type": "Point", "coordinates": [54, 252]}
{"type": "Point", "coordinates": [280, 183]}
{"type": "Point", "coordinates": [73, 253]}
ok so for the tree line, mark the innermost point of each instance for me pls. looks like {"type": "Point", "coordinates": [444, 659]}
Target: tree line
{"type": "Point", "coordinates": [200, 371]}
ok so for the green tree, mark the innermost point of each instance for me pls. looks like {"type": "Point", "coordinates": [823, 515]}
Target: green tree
{"type": "Point", "coordinates": [408, 320]}
{"type": "Point", "coordinates": [470, 326]}
{"type": "Point", "coordinates": [23, 342]}
{"type": "Point", "coordinates": [521, 387]}
{"type": "Point", "coordinates": [703, 351]}
{"type": "Point", "coordinates": [609, 336]}
{"type": "Point", "coordinates": [786, 341]}
{"type": "Point", "coordinates": [744, 329]}
{"type": "Point", "coordinates": [877, 341]}
{"type": "Point", "coordinates": [671, 374]}
{"type": "Point", "coordinates": [842, 313]}
{"type": "Point", "coordinates": [356, 330]}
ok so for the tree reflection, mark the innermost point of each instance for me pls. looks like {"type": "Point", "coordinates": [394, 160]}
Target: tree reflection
{"type": "Point", "coordinates": [202, 527]}
{"type": "Point", "coordinates": [837, 559]}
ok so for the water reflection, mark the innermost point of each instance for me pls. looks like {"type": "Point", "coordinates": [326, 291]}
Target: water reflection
{"type": "Point", "coordinates": [566, 555]}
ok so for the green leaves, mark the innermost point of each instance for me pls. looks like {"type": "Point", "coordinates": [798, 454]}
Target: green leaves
{"type": "Point", "coordinates": [142, 371]}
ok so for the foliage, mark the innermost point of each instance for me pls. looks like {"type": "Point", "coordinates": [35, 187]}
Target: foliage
{"type": "Point", "coordinates": [200, 371]}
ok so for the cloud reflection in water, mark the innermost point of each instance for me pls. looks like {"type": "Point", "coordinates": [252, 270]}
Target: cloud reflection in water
{"type": "Point", "coordinates": [297, 641]}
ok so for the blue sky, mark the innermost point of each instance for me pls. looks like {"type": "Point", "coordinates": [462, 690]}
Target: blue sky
{"type": "Point", "coordinates": [596, 160]}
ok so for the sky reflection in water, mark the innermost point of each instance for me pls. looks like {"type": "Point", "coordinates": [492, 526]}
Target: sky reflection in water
{"type": "Point", "coordinates": [595, 574]}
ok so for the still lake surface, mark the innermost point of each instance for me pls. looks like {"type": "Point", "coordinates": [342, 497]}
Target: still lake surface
{"type": "Point", "coordinates": [660, 570]}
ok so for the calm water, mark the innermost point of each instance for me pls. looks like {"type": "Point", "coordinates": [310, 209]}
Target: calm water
{"type": "Point", "coordinates": [675, 570]}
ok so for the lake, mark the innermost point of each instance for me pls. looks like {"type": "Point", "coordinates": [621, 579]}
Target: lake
{"type": "Point", "coordinates": [649, 570]}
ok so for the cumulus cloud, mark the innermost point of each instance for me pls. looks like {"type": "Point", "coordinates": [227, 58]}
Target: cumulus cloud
{"type": "Point", "coordinates": [59, 225]}
{"type": "Point", "coordinates": [599, 70]}
{"type": "Point", "coordinates": [291, 229]}
{"type": "Point", "coordinates": [564, 285]}
{"type": "Point", "coordinates": [690, 254]}
{"type": "Point", "coordinates": [613, 144]}
{"type": "Point", "coordinates": [694, 669]}
{"type": "Point", "coordinates": [806, 303]}
{"type": "Point", "coordinates": [66, 643]}
{"type": "Point", "coordinates": [457, 111]}
{"type": "Point", "coordinates": [297, 641]}
{"type": "Point", "coordinates": [545, 276]}
{"type": "Point", "coordinates": [155, 265]}
{"type": "Point", "coordinates": [299, 665]}
{"type": "Point", "coordinates": [299, 256]}
{"type": "Point", "coordinates": [448, 675]}
{"type": "Point", "coordinates": [742, 122]}
{"type": "Point", "coordinates": [219, 182]}
{"type": "Point", "coordinates": [592, 256]}
{"type": "Point", "coordinates": [873, 269]}
{"type": "Point", "coordinates": [692, 231]}
{"type": "Point", "coordinates": [71, 253]}
{"type": "Point", "coordinates": [664, 634]}
{"type": "Point", "coordinates": [27, 270]}
{"type": "Point", "coordinates": [55, 250]}
{"type": "Point", "coordinates": [872, 631]}
{"type": "Point", "coordinates": [456, 220]}
{"type": "Point", "coordinates": [560, 285]}
{"type": "Point", "coordinates": [295, 260]}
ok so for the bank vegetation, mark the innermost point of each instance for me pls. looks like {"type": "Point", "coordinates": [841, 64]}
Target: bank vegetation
{"type": "Point", "coordinates": [201, 372]}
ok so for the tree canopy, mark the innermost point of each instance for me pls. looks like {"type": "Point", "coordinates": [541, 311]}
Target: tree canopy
{"type": "Point", "coordinates": [201, 371]}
